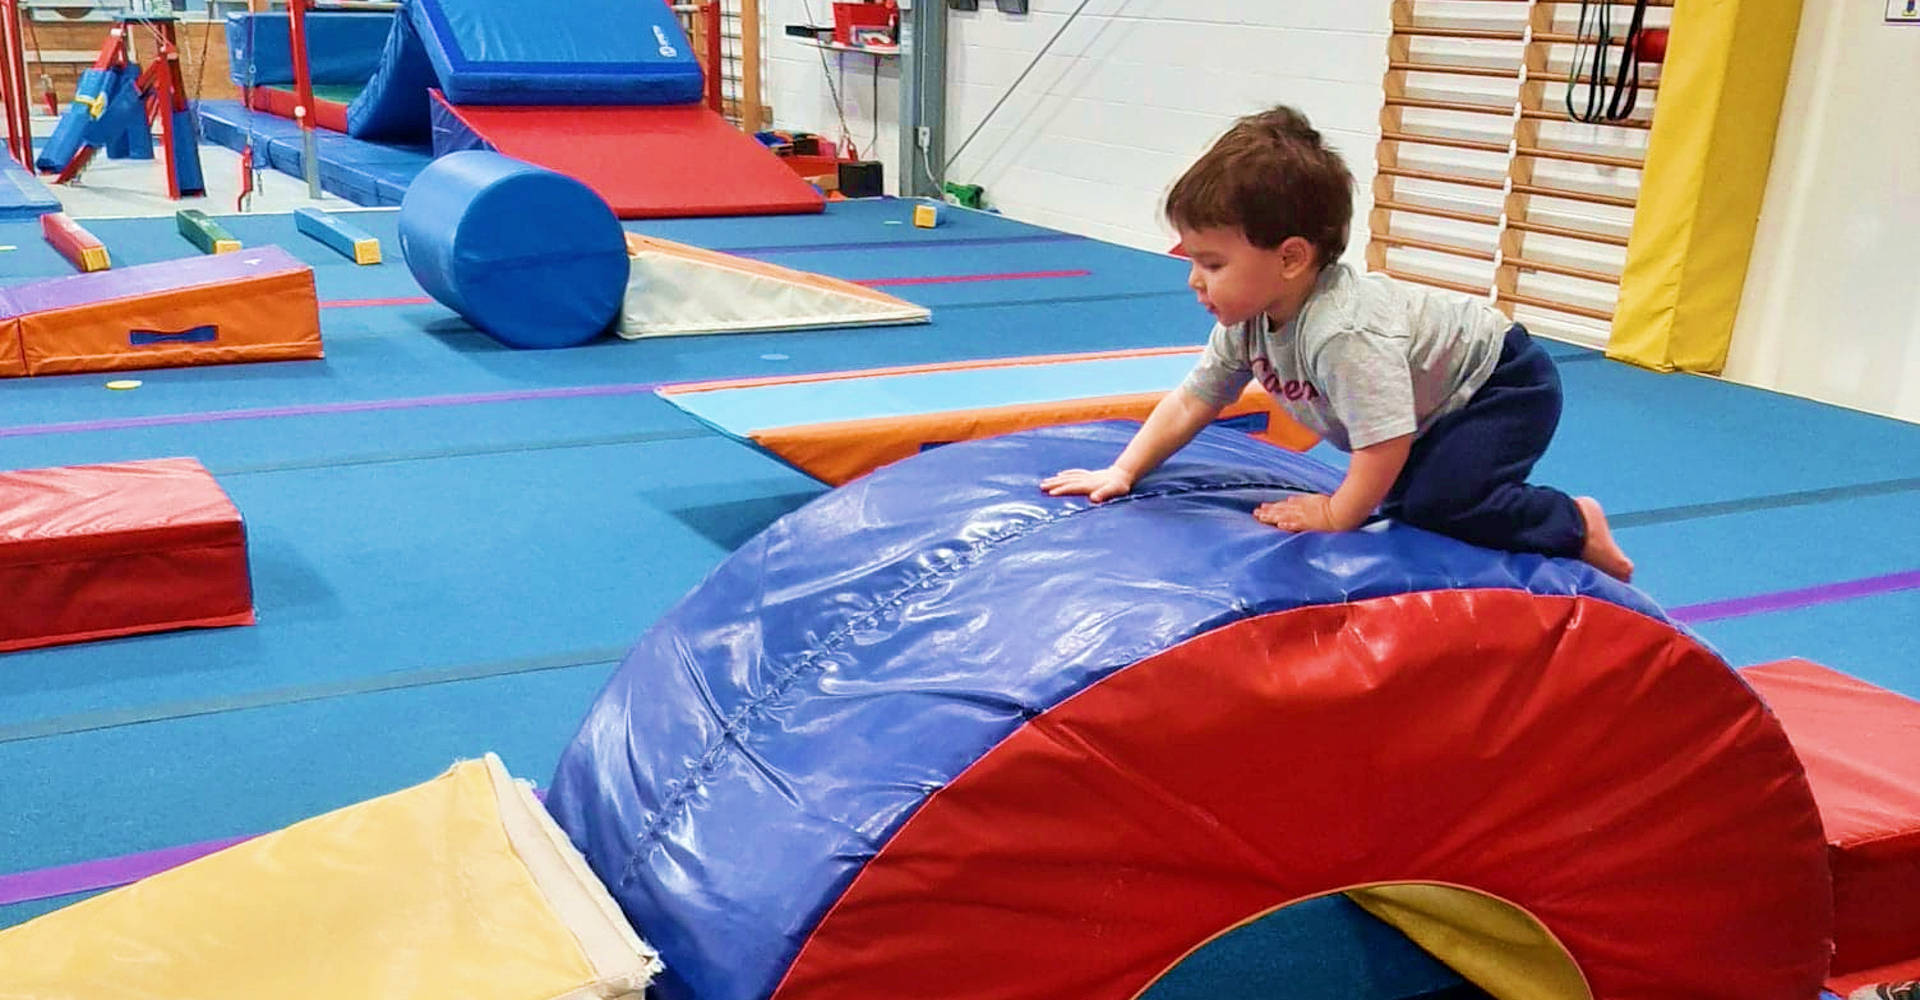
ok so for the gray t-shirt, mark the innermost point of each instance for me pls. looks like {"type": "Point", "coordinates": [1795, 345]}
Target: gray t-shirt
{"type": "Point", "coordinates": [1367, 359]}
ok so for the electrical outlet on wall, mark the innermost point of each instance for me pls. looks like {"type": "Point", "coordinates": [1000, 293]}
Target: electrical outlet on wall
{"type": "Point", "coordinates": [1903, 12]}
{"type": "Point", "coordinates": [924, 135]}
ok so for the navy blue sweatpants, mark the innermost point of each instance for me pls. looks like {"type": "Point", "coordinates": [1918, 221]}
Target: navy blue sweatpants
{"type": "Point", "coordinates": [1467, 475]}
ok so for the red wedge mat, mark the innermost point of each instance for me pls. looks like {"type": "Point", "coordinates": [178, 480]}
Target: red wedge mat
{"type": "Point", "coordinates": [663, 162]}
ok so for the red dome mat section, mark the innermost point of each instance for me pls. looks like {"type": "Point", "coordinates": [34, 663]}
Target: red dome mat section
{"type": "Point", "coordinates": [1588, 764]}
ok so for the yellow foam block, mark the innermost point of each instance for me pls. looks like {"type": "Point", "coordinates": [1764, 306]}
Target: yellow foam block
{"type": "Point", "coordinates": [926, 216]}
{"type": "Point", "coordinates": [460, 887]}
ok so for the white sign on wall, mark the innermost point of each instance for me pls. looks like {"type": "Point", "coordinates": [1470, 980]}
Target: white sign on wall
{"type": "Point", "coordinates": [1903, 11]}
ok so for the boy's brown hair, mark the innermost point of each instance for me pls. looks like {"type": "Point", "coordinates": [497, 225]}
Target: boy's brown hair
{"type": "Point", "coordinates": [1272, 178]}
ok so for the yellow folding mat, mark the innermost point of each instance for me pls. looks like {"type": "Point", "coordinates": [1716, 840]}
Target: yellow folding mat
{"type": "Point", "coordinates": [459, 887]}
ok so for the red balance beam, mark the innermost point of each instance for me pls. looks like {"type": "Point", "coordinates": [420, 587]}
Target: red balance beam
{"type": "Point", "coordinates": [81, 248]}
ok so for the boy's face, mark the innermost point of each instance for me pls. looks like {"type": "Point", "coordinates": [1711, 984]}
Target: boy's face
{"type": "Point", "coordinates": [1236, 280]}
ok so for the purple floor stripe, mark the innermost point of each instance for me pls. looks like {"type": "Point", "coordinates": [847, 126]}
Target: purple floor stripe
{"type": "Point", "coordinates": [1788, 600]}
{"type": "Point", "coordinates": [104, 873]}
{"type": "Point", "coordinates": [321, 409]}
{"type": "Point", "coordinates": [110, 873]}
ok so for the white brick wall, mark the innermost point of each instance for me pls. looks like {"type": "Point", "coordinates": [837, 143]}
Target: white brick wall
{"type": "Point", "coordinates": [1129, 95]}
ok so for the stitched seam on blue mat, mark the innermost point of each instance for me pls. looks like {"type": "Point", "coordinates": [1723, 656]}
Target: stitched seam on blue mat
{"type": "Point", "coordinates": [734, 728]}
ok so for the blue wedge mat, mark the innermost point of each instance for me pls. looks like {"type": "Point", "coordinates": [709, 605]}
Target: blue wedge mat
{"type": "Point", "coordinates": [504, 52]}
{"type": "Point", "coordinates": [739, 412]}
{"type": "Point", "coordinates": [343, 47]}
{"type": "Point", "coordinates": [22, 196]}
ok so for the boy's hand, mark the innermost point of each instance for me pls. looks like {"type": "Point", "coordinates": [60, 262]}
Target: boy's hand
{"type": "Point", "coordinates": [1300, 512]}
{"type": "Point", "coordinates": [1095, 484]}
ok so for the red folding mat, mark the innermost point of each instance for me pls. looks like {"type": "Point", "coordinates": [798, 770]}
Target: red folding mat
{"type": "Point", "coordinates": [93, 551]}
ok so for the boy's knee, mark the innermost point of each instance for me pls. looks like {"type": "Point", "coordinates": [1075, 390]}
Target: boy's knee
{"type": "Point", "coordinates": [1430, 508]}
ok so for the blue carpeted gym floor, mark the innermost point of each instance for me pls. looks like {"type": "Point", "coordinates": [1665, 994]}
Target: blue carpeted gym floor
{"type": "Point", "coordinates": [452, 542]}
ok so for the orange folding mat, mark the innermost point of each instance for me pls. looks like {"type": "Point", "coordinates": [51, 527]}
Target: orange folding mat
{"type": "Point", "coordinates": [13, 362]}
{"type": "Point", "coordinates": [253, 305]}
{"type": "Point", "coordinates": [836, 448]}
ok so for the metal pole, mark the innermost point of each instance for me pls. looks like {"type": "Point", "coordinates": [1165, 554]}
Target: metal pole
{"type": "Point", "coordinates": [13, 88]}
{"type": "Point", "coordinates": [923, 97]}
{"type": "Point", "coordinates": [303, 98]}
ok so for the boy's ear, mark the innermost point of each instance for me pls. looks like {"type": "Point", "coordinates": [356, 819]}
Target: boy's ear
{"type": "Point", "coordinates": [1298, 256]}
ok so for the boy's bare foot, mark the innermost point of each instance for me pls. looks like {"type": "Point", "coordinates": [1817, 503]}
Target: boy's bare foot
{"type": "Point", "coordinates": [1600, 549]}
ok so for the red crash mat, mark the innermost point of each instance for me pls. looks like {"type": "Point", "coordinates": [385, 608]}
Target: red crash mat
{"type": "Point", "coordinates": [92, 551]}
{"type": "Point", "coordinates": [1861, 748]}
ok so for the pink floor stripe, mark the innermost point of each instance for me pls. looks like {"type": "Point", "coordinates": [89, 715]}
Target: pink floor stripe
{"type": "Point", "coordinates": [416, 300]}
{"type": "Point", "coordinates": [957, 279]}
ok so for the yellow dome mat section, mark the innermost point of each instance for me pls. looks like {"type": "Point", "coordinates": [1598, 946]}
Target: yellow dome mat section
{"type": "Point", "coordinates": [459, 887]}
{"type": "Point", "coordinates": [1495, 945]}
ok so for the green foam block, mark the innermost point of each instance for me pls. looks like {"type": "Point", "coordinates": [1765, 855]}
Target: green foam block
{"type": "Point", "coordinates": [204, 233]}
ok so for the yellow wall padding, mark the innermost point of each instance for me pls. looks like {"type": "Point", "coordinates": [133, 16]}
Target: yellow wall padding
{"type": "Point", "coordinates": [460, 887]}
{"type": "Point", "coordinates": [1705, 175]}
{"type": "Point", "coordinates": [1491, 943]}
